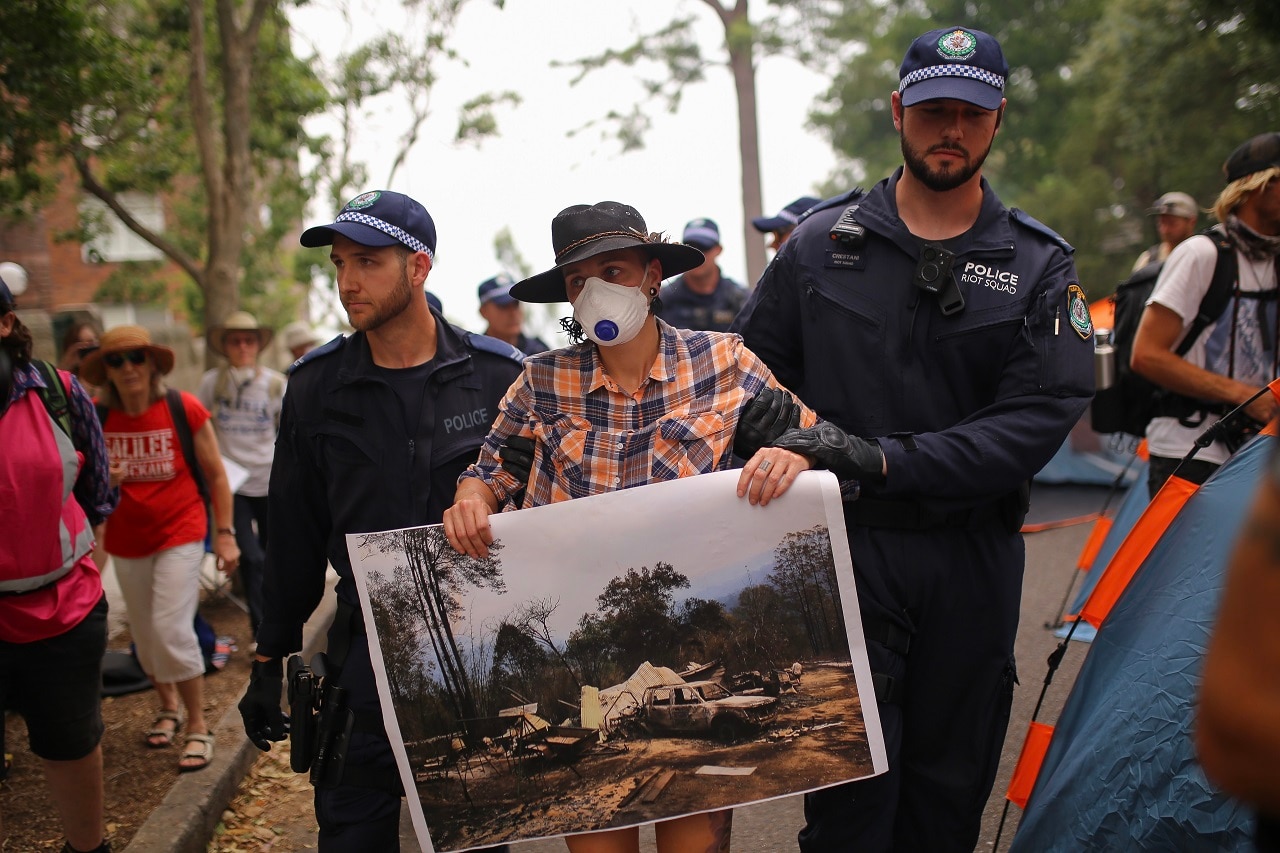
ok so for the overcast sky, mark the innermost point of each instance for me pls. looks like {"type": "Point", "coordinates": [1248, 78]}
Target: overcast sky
{"type": "Point", "coordinates": [521, 179]}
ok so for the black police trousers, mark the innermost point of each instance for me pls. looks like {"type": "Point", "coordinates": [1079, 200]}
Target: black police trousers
{"type": "Point", "coordinates": [956, 593]}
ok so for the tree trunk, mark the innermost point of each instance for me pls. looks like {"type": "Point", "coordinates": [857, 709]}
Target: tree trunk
{"type": "Point", "coordinates": [742, 63]}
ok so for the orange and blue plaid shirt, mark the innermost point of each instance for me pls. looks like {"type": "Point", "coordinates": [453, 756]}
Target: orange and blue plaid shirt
{"type": "Point", "coordinates": [590, 436]}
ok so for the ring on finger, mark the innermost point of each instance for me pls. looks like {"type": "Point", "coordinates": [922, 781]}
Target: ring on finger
{"type": "Point", "coordinates": [766, 465]}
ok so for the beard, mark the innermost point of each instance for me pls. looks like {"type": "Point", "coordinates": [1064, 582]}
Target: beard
{"type": "Point", "coordinates": [393, 306]}
{"type": "Point", "coordinates": [946, 177]}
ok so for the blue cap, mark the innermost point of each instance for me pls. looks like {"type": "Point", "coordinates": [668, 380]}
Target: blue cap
{"type": "Point", "coordinates": [786, 218]}
{"type": "Point", "coordinates": [497, 290]}
{"type": "Point", "coordinates": [963, 64]}
{"type": "Point", "coordinates": [6, 298]}
{"type": "Point", "coordinates": [702, 233]}
{"type": "Point", "coordinates": [379, 218]}
{"type": "Point", "coordinates": [434, 302]}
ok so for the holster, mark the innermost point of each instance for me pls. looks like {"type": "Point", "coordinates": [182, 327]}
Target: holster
{"type": "Point", "coordinates": [304, 703]}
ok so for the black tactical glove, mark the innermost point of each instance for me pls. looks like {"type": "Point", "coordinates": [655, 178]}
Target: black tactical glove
{"type": "Point", "coordinates": [260, 705]}
{"type": "Point", "coordinates": [764, 418]}
{"type": "Point", "coordinates": [847, 456]}
{"type": "Point", "coordinates": [517, 458]}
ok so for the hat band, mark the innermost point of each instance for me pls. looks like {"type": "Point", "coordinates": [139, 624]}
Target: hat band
{"type": "Point", "coordinates": [599, 236]}
{"type": "Point", "coordinates": [388, 229]}
{"type": "Point", "coordinates": [789, 216]}
{"type": "Point", "coordinates": [932, 71]}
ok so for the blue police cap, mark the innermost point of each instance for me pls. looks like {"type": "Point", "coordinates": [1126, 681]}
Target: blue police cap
{"type": "Point", "coordinates": [955, 62]}
{"type": "Point", "coordinates": [379, 218]}
{"type": "Point", "coordinates": [497, 290]}
{"type": "Point", "coordinates": [785, 218]}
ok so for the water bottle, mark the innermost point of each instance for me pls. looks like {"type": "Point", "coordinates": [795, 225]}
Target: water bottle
{"type": "Point", "coordinates": [1104, 360]}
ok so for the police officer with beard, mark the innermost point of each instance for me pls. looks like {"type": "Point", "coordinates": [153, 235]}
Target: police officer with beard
{"type": "Point", "coordinates": [946, 341]}
{"type": "Point", "coordinates": [375, 429]}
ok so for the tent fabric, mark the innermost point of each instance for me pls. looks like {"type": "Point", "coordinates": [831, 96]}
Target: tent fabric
{"type": "Point", "coordinates": [1136, 547]}
{"type": "Point", "coordinates": [1121, 771]}
{"type": "Point", "coordinates": [1131, 508]}
{"type": "Point", "coordinates": [1086, 458]}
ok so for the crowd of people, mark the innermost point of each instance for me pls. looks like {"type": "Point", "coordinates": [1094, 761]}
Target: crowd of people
{"type": "Point", "coordinates": [412, 420]}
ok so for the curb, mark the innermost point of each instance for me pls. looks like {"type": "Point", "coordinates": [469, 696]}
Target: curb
{"type": "Point", "coordinates": [186, 819]}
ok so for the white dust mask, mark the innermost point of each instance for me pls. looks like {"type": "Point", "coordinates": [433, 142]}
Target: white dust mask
{"type": "Point", "coordinates": [611, 314]}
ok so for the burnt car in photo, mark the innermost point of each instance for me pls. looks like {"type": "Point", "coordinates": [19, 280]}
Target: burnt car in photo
{"type": "Point", "coordinates": [704, 708]}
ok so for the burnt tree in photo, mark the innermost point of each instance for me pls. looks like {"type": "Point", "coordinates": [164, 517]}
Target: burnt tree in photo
{"type": "Point", "coordinates": [805, 574]}
{"type": "Point", "coordinates": [439, 575]}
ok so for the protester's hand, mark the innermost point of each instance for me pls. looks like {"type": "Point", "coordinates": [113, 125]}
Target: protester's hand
{"type": "Point", "coordinates": [466, 525]}
{"type": "Point", "coordinates": [769, 474]}
{"type": "Point", "coordinates": [849, 457]}
{"type": "Point", "coordinates": [517, 457]}
{"type": "Point", "coordinates": [1263, 409]}
{"type": "Point", "coordinates": [260, 705]}
{"type": "Point", "coordinates": [115, 473]}
{"type": "Point", "coordinates": [765, 417]}
{"type": "Point", "coordinates": [226, 552]}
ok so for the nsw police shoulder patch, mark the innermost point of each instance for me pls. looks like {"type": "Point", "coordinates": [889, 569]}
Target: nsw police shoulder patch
{"type": "Point", "coordinates": [1078, 312]}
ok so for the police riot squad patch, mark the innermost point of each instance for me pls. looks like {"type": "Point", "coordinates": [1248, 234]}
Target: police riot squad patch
{"type": "Point", "coordinates": [1078, 312]}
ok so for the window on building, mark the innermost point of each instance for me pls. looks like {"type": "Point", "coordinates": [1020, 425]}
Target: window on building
{"type": "Point", "coordinates": [111, 240]}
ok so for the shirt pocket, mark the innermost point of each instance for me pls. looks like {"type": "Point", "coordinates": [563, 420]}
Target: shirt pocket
{"type": "Point", "coordinates": [689, 444]}
{"type": "Point", "coordinates": [565, 440]}
{"type": "Point", "coordinates": [346, 452]}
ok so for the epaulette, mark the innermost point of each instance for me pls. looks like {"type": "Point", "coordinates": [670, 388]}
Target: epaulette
{"type": "Point", "coordinates": [835, 201]}
{"type": "Point", "coordinates": [484, 343]}
{"type": "Point", "coordinates": [1029, 221]}
{"type": "Point", "coordinates": [319, 352]}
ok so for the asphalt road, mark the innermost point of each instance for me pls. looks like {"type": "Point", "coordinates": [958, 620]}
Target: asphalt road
{"type": "Point", "coordinates": [771, 827]}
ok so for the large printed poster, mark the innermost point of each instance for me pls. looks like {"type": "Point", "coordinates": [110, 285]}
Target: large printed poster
{"type": "Point", "coordinates": [620, 659]}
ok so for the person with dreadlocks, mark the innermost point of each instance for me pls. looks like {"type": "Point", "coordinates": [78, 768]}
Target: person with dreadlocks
{"type": "Point", "coordinates": [632, 401]}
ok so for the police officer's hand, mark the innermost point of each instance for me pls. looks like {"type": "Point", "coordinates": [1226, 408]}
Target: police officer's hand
{"type": "Point", "coordinates": [849, 457]}
{"type": "Point", "coordinates": [260, 705]}
{"type": "Point", "coordinates": [765, 417]}
{"type": "Point", "coordinates": [517, 457]}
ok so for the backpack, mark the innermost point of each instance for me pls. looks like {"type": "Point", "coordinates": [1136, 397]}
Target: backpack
{"type": "Point", "coordinates": [1132, 400]}
{"type": "Point", "coordinates": [54, 396]}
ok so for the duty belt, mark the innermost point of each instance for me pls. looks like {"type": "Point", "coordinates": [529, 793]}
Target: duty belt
{"type": "Point", "coordinates": [911, 515]}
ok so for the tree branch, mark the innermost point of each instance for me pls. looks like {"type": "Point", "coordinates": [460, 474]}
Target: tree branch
{"type": "Point", "coordinates": [171, 250]}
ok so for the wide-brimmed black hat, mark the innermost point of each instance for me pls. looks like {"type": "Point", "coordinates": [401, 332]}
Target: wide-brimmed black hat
{"type": "Point", "coordinates": [585, 230]}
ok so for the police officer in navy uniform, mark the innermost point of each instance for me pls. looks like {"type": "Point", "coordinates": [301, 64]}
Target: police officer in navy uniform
{"type": "Point", "coordinates": [376, 428]}
{"type": "Point", "coordinates": [946, 340]}
{"type": "Point", "coordinates": [702, 299]}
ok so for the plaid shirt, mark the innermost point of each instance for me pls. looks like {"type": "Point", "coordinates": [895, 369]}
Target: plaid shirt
{"type": "Point", "coordinates": [592, 437]}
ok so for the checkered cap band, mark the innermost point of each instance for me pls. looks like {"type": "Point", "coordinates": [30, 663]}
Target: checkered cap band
{"type": "Point", "coordinates": [386, 228]}
{"type": "Point", "coordinates": [928, 73]}
{"type": "Point", "coordinates": [789, 216]}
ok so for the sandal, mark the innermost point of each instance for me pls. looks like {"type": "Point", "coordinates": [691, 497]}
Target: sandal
{"type": "Point", "coordinates": [159, 737]}
{"type": "Point", "coordinates": [199, 748]}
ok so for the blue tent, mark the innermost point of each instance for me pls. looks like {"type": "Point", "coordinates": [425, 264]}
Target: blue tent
{"type": "Point", "coordinates": [1121, 771]}
{"type": "Point", "coordinates": [1131, 507]}
{"type": "Point", "coordinates": [1087, 458]}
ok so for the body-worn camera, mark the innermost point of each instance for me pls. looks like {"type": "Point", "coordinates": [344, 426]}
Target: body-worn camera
{"type": "Point", "coordinates": [933, 270]}
{"type": "Point", "coordinates": [933, 275]}
{"type": "Point", "coordinates": [847, 230]}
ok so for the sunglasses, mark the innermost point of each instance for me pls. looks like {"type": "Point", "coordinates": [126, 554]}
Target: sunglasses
{"type": "Point", "coordinates": [117, 359]}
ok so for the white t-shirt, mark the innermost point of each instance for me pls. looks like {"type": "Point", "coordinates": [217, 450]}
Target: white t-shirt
{"type": "Point", "coordinates": [246, 416]}
{"type": "Point", "coordinates": [1183, 282]}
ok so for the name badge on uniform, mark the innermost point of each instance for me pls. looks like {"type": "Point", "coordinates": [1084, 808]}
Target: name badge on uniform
{"type": "Point", "coordinates": [845, 259]}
